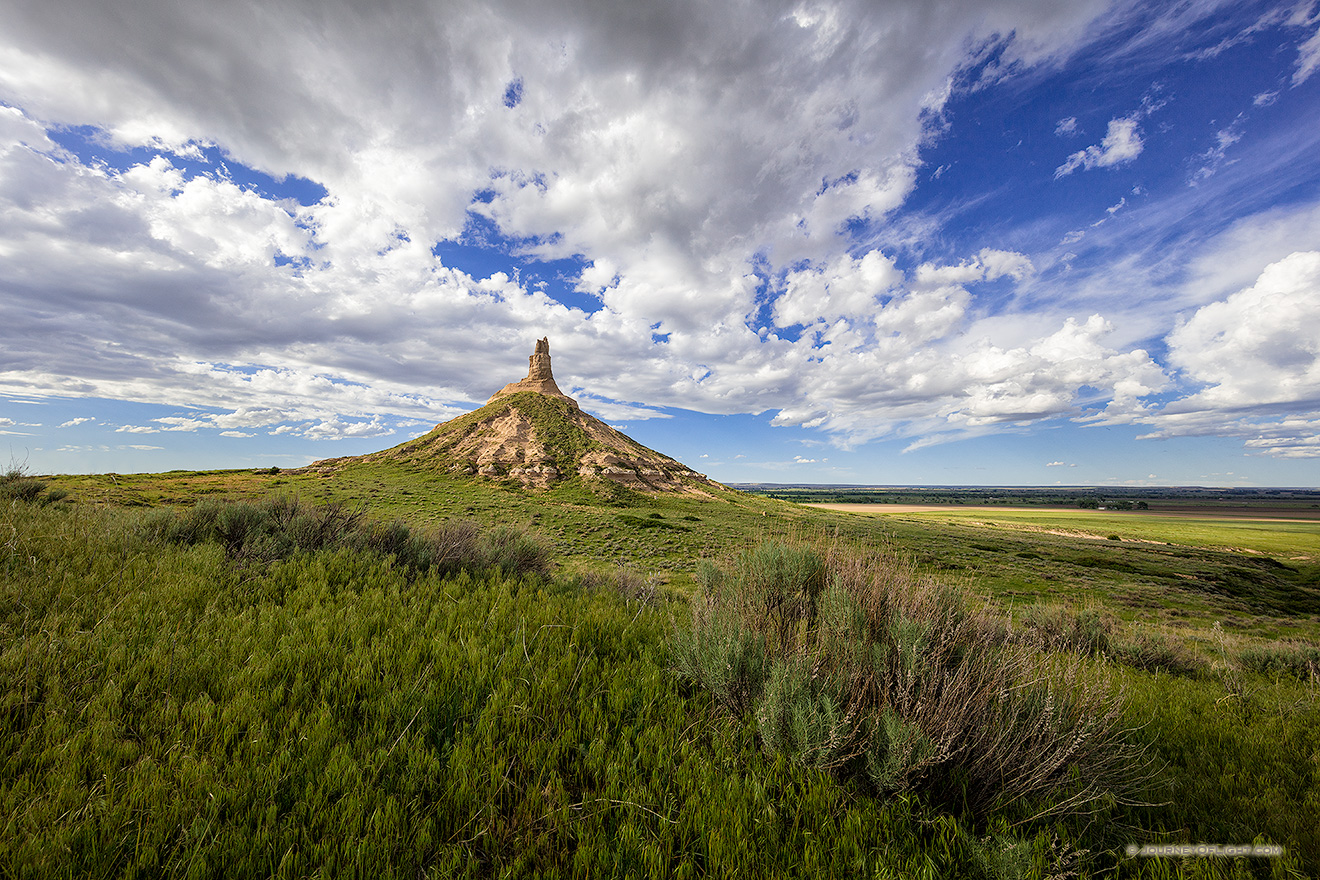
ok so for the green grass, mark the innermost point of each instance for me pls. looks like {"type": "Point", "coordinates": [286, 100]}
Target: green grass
{"type": "Point", "coordinates": [1181, 586]}
{"type": "Point", "coordinates": [166, 712]}
{"type": "Point", "coordinates": [169, 710]}
{"type": "Point", "coordinates": [1271, 537]}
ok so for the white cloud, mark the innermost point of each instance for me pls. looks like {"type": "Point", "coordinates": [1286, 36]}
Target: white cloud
{"type": "Point", "coordinates": [335, 428]}
{"type": "Point", "coordinates": [81, 420]}
{"type": "Point", "coordinates": [6, 423]}
{"type": "Point", "coordinates": [236, 434]}
{"type": "Point", "coordinates": [1287, 446]}
{"type": "Point", "coordinates": [1308, 59]}
{"type": "Point", "coordinates": [136, 429]}
{"type": "Point", "coordinates": [1251, 349]}
{"type": "Point", "coordinates": [1250, 366]}
{"type": "Point", "coordinates": [1121, 144]}
{"type": "Point", "coordinates": [154, 285]}
{"type": "Point", "coordinates": [1067, 126]}
{"type": "Point", "coordinates": [612, 411]}
{"type": "Point", "coordinates": [846, 287]}
{"type": "Point", "coordinates": [1060, 464]}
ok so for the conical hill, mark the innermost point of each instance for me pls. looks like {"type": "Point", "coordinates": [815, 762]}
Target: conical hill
{"type": "Point", "coordinates": [532, 433]}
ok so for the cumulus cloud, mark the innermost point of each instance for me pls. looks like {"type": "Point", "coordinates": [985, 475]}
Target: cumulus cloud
{"type": "Point", "coordinates": [1250, 349]}
{"type": "Point", "coordinates": [1121, 144]}
{"type": "Point", "coordinates": [335, 428]}
{"type": "Point", "coordinates": [845, 287]}
{"type": "Point", "coordinates": [703, 161]}
{"type": "Point", "coordinates": [988, 265]}
{"type": "Point", "coordinates": [1252, 369]}
{"type": "Point", "coordinates": [81, 420]}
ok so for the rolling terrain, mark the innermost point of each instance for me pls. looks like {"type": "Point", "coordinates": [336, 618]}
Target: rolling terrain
{"type": "Point", "coordinates": [524, 645]}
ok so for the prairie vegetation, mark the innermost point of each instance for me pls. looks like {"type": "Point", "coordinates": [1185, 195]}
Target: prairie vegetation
{"type": "Point", "coordinates": [890, 680]}
{"type": "Point", "coordinates": [400, 673]}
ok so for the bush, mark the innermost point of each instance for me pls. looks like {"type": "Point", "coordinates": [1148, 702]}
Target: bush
{"type": "Point", "coordinates": [1087, 631]}
{"type": "Point", "coordinates": [1156, 653]}
{"type": "Point", "coordinates": [16, 485]}
{"type": "Point", "coordinates": [1298, 659]}
{"type": "Point", "coordinates": [723, 655]}
{"type": "Point", "coordinates": [627, 582]}
{"type": "Point", "coordinates": [513, 551]}
{"type": "Point", "coordinates": [277, 528]}
{"type": "Point", "coordinates": [887, 678]}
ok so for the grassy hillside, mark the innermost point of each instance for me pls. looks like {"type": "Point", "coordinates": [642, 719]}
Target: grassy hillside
{"type": "Point", "coordinates": [179, 706]}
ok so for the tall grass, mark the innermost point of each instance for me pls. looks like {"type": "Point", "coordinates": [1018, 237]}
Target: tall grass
{"type": "Point", "coordinates": [1053, 628]}
{"type": "Point", "coordinates": [168, 711]}
{"type": "Point", "coordinates": [862, 667]}
{"type": "Point", "coordinates": [277, 528]}
{"type": "Point", "coordinates": [17, 485]}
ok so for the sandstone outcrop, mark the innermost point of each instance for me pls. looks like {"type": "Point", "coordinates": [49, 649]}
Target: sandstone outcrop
{"type": "Point", "coordinates": [539, 377]}
{"type": "Point", "coordinates": [531, 432]}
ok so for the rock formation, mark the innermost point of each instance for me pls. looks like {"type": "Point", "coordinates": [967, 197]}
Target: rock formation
{"type": "Point", "coordinates": [531, 433]}
{"type": "Point", "coordinates": [539, 378]}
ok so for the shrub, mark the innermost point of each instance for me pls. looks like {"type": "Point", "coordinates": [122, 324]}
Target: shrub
{"type": "Point", "coordinates": [17, 485]}
{"type": "Point", "coordinates": [1298, 659]}
{"type": "Point", "coordinates": [627, 582]}
{"type": "Point", "coordinates": [887, 678]}
{"type": "Point", "coordinates": [722, 655]}
{"type": "Point", "coordinates": [1157, 653]}
{"type": "Point", "coordinates": [277, 528]}
{"type": "Point", "coordinates": [1051, 628]}
{"type": "Point", "coordinates": [263, 531]}
{"type": "Point", "coordinates": [514, 551]}
{"type": "Point", "coordinates": [777, 586]}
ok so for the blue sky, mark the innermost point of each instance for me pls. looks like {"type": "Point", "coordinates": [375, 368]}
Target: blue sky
{"type": "Point", "coordinates": [898, 243]}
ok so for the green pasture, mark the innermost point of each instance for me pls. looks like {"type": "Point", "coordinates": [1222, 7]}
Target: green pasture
{"type": "Point", "coordinates": [1274, 537]}
{"type": "Point", "coordinates": [1169, 572]}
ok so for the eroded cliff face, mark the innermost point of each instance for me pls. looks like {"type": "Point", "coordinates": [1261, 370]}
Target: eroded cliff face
{"type": "Point", "coordinates": [539, 378]}
{"type": "Point", "coordinates": [539, 440]}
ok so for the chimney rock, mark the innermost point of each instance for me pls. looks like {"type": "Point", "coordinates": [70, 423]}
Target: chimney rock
{"type": "Point", "coordinates": [539, 378]}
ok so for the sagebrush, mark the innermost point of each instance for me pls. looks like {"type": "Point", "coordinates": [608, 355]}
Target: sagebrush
{"type": "Point", "coordinates": [861, 666]}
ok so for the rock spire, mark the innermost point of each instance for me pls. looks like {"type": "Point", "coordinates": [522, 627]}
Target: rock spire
{"type": "Point", "coordinates": [539, 378]}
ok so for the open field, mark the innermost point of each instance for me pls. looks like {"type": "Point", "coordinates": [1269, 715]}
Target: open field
{"type": "Point", "coordinates": [236, 717]}
{"type": "Point", "coordinates": [1270, 530]}
{"type": "Point", "coordinates": [1172, 571]}
{"type": "Point", "coordinates": [1197, 511]}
